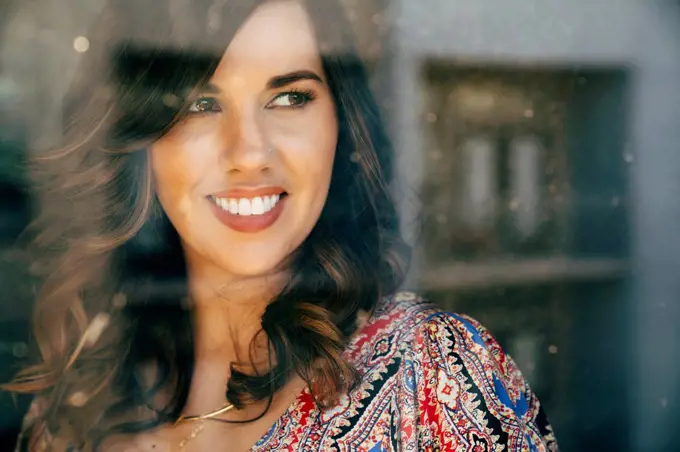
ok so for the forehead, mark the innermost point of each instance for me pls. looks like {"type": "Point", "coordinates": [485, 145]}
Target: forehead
{"type": "Point", "coordinates": [277, 37]}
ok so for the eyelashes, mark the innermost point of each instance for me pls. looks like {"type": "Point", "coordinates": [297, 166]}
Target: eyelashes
{"type": "Point", "coordinates": [292, 99]}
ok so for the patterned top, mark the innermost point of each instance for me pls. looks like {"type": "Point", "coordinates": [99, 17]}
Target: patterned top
{"type": "Point", "coordinates": [430, 381]}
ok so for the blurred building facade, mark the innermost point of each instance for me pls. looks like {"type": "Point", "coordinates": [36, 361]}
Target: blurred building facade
{"type": "Point", "coordinates": [542, 138]}
{"type": "Point", "coordinates": [538, 153]}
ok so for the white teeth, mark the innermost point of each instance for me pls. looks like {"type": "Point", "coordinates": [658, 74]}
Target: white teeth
{"type": "Point", "coordinates": [244, 206]}
{"type": "Point", "coordinates": [233, 206]}
{"type": "Point", "coordinates": [257, 206]}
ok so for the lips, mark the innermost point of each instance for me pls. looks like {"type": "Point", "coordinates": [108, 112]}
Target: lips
{"type": "Point", "coordinates": [248, 210]}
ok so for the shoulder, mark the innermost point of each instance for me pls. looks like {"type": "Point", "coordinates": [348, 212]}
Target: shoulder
{"type": "Point", "coordinates": [454, 348]}
{"type": "Point", "coordinates": [402, 307]}
{"type": "Point", "coordinates": [412, 319]}
{"type": "Point", "coordinates": [409, 326]}
{"type": "Point", "coordinates": [450, 338]}
{"type": "Point", "coordinates": [455, 345]}
{"type": "Point", "coordinates": [463, 381]}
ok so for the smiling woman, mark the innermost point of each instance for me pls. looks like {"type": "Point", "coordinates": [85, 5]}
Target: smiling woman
{"type": "Point", "coordinates": [270, 318]}
{"type": "Point", "coordinates": [266, 125]}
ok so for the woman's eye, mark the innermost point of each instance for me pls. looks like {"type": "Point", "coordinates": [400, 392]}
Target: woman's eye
{"type": "Point", "coordinates": [291, 100]}
{"type": "Point", "coordinates": [204, 105]}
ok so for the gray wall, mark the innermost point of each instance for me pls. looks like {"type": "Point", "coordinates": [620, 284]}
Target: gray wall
{"type": "Point", "coordinates": [642, 36]}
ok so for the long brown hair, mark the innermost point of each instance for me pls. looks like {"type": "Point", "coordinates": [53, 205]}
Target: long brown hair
{"type": "Point", "coordinates": [110, 303]}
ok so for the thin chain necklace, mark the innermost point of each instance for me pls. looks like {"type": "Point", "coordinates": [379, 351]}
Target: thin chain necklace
{"type": "Point", "coordinates": [199, 423]}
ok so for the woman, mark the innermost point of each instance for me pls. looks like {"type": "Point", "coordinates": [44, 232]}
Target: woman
{"type": "Point", "coordinates": [246, 137]}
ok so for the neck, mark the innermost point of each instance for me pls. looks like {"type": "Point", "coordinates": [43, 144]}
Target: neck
{"type": "Point", "coordinates": [228, 311]}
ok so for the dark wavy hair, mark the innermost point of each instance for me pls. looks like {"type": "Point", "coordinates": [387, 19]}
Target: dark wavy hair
{"type": "Point", "coordinates": [110, 305]}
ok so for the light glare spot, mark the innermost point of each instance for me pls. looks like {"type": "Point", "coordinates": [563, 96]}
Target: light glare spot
{"type": "Point", "coordinates": [119, 300]}
{"type": "Point", "coordinates": [81, 44]}
{"type": "Point", "coordinates": [436, 155]}
{"type": "Point", "coordinates": [20, 350]}
{"type": "Point", "coordinates": [78, 399]}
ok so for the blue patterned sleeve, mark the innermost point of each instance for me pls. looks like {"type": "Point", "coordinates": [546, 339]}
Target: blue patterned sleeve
{"type": "Point", "coordinates": [472, 395]}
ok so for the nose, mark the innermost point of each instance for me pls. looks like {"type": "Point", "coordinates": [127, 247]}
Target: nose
{"type": "Point", "coordinates": [247, 151]}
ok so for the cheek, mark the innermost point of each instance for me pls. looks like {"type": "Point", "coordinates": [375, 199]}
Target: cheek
{"type": "Point", "coordinates": [323, 155]}
{"type": "Point", "coordinates": [170, 183]}
{"type": "Point", "coordinates": [178, 170]}
{"type": "Point", "coordinates": [310, 151]}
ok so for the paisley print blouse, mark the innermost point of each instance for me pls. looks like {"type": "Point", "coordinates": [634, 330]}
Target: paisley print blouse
{"type": "Point", "coordinates": [430, 381]}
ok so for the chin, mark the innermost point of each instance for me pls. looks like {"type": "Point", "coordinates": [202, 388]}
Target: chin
{"type": "Point", "coordinates": [254, 266]}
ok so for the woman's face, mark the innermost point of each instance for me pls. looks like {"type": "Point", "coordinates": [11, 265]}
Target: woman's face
{"type": "Point", "coordinates": [245, 176]}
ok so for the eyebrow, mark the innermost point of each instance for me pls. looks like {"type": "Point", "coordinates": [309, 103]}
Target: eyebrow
{"type": "Point", "coordinates": [280, 81]}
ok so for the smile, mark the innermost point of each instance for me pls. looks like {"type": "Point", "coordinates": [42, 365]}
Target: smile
{"type": "Point", "coordinates": [248, 210]}
{"type": "Point", "coordinates": [259, 205]}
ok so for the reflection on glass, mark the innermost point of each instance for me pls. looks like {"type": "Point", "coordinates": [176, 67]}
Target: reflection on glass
{"type": "Point", "coordinates": [525, 156]}
{"type": "Point", "coordinates": [479, 183]}
{"type": "Point", "coordinates": [525, 350]}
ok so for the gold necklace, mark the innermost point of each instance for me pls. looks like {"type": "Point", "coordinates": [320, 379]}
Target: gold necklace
{"type": "Point", "coordinates": [199, 423]}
